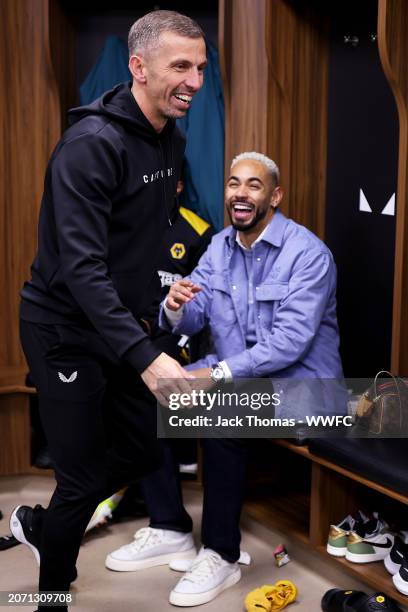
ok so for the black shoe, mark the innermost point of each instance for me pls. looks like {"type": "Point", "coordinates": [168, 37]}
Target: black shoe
{"type": "Point", "coordinates": [25, 529]}
{"type": "Point", "coordinates": [74, 575]}
{"type": "Point", "coordinates": [131, 506]}
{"type": "Point", "coordinates": [7, 542]}
{"type": "Point", "coordinates": [338, 600]}
{"type": "Point", "coordinates": [43, 460]}
{"type": "Point", "coordinates": [335, 600]}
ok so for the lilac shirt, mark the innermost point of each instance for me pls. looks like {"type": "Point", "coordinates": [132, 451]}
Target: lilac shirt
{"type": "Point", "coordinates": [294, 309]}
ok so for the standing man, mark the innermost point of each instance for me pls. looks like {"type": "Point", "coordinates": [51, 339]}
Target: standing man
{"type": "Point", "coordinates": [109, 196]}
{"type": "Point", "coordinates": [266, 287]}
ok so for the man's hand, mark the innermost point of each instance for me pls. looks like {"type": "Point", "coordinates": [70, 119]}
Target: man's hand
{"type": "Point", "coordinates": [181, 292]}
{"type": "Point", "coordinates": [203, 380]}
{"type": "Point", "coordinates": [173, 378]}
{"type": "Point", "coordinates": [201, 373]}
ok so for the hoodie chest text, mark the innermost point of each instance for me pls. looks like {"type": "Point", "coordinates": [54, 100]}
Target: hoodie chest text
{"type": "Point", "coordinates": [158, 175]}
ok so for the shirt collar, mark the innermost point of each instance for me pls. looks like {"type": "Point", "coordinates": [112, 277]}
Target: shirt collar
{"type": "Point", "coordinates": [261, 235]}
{"type": "Point", "coordinates": [273, 232]}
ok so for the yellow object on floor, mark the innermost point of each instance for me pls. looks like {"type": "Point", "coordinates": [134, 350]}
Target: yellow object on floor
{"type": "Point", "coordinates": [270, 598]}
{"type": "Point", "coordinates": [104, 510]}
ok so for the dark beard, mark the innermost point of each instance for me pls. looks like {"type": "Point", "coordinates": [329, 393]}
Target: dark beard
{"type": "Point", "coordinates": [261, 214]}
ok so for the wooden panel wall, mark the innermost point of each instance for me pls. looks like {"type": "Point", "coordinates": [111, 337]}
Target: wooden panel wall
{"type": "Point", "coordinates": [297, 46]}
{"type": "Point", "coordinates": [274, 62]}
{"type": "Point", "coordinates": [393, 46]}
{"type": "Point", "coordinates": [244, 70]}
{"type": "Point", "coordinates": [29, 128]}
{"type": "Point", "coordinates": [62, 51]}
{"type": "Point", "coordinates": [15, 431]}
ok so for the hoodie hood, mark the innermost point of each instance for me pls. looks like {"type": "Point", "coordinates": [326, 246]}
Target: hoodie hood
{"type": "Point", "coordinates": [120, 105]}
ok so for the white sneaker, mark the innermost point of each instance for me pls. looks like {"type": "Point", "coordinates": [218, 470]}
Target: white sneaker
{"type": "Point", "coordinates": [104, 510]}
{"type": "Point", "coordinates": [151, 547]}
{"type": "Point", "coordinates": [207, 577]}
{"type": "Point", "coordinates": [178, 565]}
{"type": "Point", "coordinates": [374, 547]}
{"type": "Point", "coordinates": [400, 579]}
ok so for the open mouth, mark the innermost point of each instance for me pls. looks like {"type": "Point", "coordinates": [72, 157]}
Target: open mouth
{"type": "Point", "coordinates": [183, 99]}
{"type": "Point", "coordinates": [242, 211]}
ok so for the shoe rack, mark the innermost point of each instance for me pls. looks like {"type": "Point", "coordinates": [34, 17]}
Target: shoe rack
{"type": "Point", "coordinates": [307, 493]}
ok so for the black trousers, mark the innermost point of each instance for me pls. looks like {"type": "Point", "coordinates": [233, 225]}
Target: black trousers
{"type": "Point", "coordinates": [224, 475]}
{"type": "Point", "coordinates": [100, 423]}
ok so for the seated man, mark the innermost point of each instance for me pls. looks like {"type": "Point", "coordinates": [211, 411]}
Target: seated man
{"type": "Point", "coordinates": [266, 287]}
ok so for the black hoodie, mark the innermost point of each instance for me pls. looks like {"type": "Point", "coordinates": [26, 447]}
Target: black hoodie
{"type": "Point", "coordinates": [109, 195]}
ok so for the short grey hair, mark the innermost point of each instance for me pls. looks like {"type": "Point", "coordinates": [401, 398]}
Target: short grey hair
{"type": "Point", "coordinates": [269, 164]}
{"type": "Point", "coordinates": [145, 33]}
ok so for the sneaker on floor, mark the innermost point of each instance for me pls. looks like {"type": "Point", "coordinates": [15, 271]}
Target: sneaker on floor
{"type": "Point", "coordinates": [184, 566]}
{"type": "Point", "coordinates": [337, 540]}
{"type": "Point", "coordinates": [26, 530]}
{"type": "Point", "coordinates": [151, 547]}
{"type": "Point", "coordinates": [104, 510]}
{"type": "Point", "coordinates": [336, 600]}
{"type": "Point", "coordinates": [24, 527]}
{"type": "Point", "coordinates": [400, 579]}
{"type": "Point", "coordinates": [371, 541]}
{"type": "Point", "coordinates": [207, 577]}
{"type": "Point", "coordinates": [8, 541]}
{"type": "Point", "coordinates": [393, 560]}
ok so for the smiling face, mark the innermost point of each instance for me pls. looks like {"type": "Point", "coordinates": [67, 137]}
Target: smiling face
{"type": "Point", "coordinates": [167, 77]}
{"type": "Point", "coordinates": [251, 196]}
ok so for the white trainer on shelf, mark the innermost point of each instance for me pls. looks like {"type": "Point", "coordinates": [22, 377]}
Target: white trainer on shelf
{"type": "Point", "coordinates": [400, 579]}
{"type": "Point", "coordinates": [151, 547]}
{"type": "Point", "coordinates": [207, 577]}
{"type": "Point", "coordinates": [370, 548]}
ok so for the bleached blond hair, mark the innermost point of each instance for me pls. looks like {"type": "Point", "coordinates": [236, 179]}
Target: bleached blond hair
{"type": "Point", "coordinates": [269, 164]}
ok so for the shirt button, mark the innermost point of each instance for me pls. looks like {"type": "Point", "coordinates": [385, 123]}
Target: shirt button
{"type": "Point", "coordinates": [259, 316]}
{"type": "Point", "coordinates": [258, 259]}
{"type": "Point", "coordinates": [256, 287]}
{"type": "Point", "coordinates": [234, 287]}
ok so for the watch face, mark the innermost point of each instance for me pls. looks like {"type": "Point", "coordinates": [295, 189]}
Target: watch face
{"type": "Point", "coordinates": [217, 374]}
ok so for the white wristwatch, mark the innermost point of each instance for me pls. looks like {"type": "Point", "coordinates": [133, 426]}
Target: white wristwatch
{"type": "Point", "coordinates": [217, 374]}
